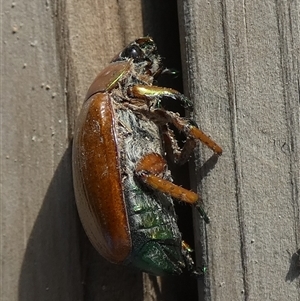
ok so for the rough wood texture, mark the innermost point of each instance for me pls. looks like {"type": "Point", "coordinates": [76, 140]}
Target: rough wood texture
{"type": "Point", "coordinates": [52, 51]}
{"type": "Point", "coordinates": [241, 63]}
{"type": "Point", "coordinates": [242, 66]}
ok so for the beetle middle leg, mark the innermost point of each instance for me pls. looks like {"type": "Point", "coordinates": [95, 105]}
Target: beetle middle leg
{"type": "Point", "coordinates": [150, 170]}
{"type": "Point", "coordinates": [189, 127]}
{"type": "Point", "coordinates": [176, 154]}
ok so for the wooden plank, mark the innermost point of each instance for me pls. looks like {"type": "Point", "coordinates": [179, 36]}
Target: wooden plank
{"type": "Point", "coordinates": [51, 53]}
{"type": "Point", "coordinates": [242, 71]}
{"type": "Point", "coordinates": [243, 75]}
{"type": "Point", "coordinates": [37, 213]}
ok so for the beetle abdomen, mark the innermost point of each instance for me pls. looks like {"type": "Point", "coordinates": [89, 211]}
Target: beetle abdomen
{"type": "Point", "coordinates": [156, 238]}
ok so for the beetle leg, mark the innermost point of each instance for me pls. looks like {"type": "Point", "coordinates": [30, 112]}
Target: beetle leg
{"type": "Point", "coordinates": [170, 144]}
{"type": "Point", "coordinates": [152, 93]}
{"type": "Point", "coordinates": [186, 247]}
{"type": "Point", "coordinates": [186, 250]}
{"type": "Point", "coordinates": [189, 127]}
{"type": "Point", "coordinates": [150, 170]}
{"type": "Point", "coordinates": [177, 155]}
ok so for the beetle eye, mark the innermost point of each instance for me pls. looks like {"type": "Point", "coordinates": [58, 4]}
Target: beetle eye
{"type": "Point", "coordinates": [133, 52]}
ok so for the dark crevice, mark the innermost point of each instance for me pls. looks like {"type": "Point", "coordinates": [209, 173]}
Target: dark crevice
{"type": "Point", "coordinates": [160, 21]}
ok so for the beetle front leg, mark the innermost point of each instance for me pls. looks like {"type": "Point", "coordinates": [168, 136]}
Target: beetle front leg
{"type": "Point", "coordinates": [154, 93]}
{"type": "Point", "coordinates": [189, 127]}
{"type": "Point", "coordinates": [150, 170]}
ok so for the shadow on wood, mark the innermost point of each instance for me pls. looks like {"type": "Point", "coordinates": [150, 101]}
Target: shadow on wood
{"type": "Point", "coordinates": [60, 263]}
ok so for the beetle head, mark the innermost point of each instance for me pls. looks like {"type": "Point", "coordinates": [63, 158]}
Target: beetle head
{"type": "Point", "coordinates": [143, 52]}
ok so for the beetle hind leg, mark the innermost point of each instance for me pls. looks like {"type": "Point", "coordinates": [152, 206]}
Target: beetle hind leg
{"type": "Point", "coordinates": [150, 170]}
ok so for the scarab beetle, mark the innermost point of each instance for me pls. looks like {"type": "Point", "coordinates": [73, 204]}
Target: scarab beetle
{"type": "Point", "coordinates": [123, 187]}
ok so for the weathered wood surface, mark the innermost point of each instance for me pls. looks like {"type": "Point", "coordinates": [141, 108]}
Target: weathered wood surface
{"type": "Point", "coordinates": [243, 75]}
{"type": "Point", "coordinates": [241, 63]}
{"type": "Point", "coordinates": [51, 52]}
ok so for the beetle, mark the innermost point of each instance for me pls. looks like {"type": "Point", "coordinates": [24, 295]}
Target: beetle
{"type": "Point", "coordinates": [123, 187]}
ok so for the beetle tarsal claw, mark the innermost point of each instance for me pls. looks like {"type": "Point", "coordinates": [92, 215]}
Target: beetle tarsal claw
{"type": "Point", "coordinates": [199, 272]}
{"type": "Point", "coordinates": [203, 214]}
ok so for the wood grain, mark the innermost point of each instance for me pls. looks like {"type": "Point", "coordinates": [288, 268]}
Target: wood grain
{"type": "Point", "coordinates": [242, 67]}
{"type": "Point", "coordinates": [51, 53]}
